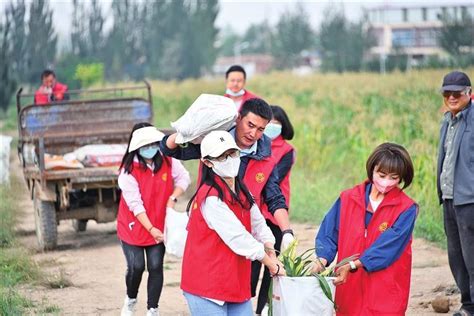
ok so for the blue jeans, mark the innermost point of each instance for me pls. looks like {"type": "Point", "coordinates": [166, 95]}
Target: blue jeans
{"type": "Point", "coordinates": [199, 306]}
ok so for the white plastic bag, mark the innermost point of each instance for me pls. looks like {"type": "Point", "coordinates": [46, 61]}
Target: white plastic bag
{"type": "Point", "coordinates": [175, 232]}
{"type": "Point", "coordinates": [208, 112]}
{"type": "Point", "coordinates": [301, 296]}
{"type": "Point", "coordinates": [5, 158]}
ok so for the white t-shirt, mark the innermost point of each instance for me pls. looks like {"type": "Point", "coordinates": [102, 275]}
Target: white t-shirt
{"type": "Point", "coordinates": [375, 204]}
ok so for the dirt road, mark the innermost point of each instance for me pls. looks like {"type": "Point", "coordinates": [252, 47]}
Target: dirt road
{"type": "Point", "coordinates": [94, 265]}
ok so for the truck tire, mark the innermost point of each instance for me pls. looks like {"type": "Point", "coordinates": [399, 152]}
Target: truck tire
{"type": "Point", "coordinates": [79, 225]}
{"type": "Point", "coordinates": [46, 224]}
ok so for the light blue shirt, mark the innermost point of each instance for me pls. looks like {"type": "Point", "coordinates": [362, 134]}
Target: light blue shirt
{"type": "Point", "coordinates": [245, 152]}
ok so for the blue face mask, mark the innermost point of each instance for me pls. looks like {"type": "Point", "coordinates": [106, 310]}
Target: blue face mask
{"type": "Point", "coordinates": [273, 130]}
{"type": "Point", "coordinates": [148, 152]}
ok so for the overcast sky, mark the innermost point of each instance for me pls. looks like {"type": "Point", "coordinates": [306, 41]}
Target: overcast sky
{"type": "Point", "coordinates": [241, 13]}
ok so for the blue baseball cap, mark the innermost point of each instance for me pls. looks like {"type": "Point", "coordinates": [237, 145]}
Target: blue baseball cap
{"type": "Point", "coordinates": [455, 81]}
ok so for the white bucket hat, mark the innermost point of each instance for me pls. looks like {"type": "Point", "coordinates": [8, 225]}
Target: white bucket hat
{"type": "Point", "coordinates": [216, 143]}
{"type": "Point", "coordinates": [145, 136]}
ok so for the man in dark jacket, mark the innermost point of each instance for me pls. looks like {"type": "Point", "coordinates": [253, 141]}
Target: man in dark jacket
{"type": "Point", "coordinates": [253, 118]}
{"type": "Point", "coordinates": [455, 182]}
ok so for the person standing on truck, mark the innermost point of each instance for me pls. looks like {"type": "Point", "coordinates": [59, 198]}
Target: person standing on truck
{"type": "Point", "coordinates": [151, 183]}
{"type": "Point", "coordinates": [50, 90]}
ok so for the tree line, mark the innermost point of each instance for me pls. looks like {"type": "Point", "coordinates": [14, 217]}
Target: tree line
{"type": "Point", "coordinates": [178, 39]}
{"type": "Point", "coordinates": [343, 45]}
{"type": "Point", "coordinates": [168, 39]}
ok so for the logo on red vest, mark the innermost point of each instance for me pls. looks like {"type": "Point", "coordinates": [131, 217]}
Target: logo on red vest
{"type": "Point", "coordinates": [164, 177]}
{"type": "Point", "coordinates": [260, 177]}
{"type": "Point", "coordinates": [383, 227]}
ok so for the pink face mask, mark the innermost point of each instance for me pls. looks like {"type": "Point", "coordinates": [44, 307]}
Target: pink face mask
{"type": "Point", "coordinates": [384, 185]}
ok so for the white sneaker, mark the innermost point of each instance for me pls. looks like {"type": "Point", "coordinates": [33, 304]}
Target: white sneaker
{"type": "Point", "coordinates": [128, 306]}
{"type": "Point", "coordinates": [265, 311]}
{"type": "Point", "coordinates": [153, 312]}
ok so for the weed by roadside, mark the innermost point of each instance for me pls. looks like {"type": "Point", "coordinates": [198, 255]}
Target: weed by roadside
{"type": "Point", "coordinates": [16, 266]}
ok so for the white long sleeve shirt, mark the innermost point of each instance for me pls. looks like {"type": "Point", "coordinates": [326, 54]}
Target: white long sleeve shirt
{"type": "Point", "coordinates": [219, 217]}
{"type": "Point", "coordinates": [131, 191]}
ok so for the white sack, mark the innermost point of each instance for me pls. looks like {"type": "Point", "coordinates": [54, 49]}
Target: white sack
{"type": "Point", "coordinates": [5, 159]}
{"type": "Point", "coordinates": [208, 113]}
{"type": "Point", "coordinates": [175, 232]}
{"type": "Point", "coordinates": [301, 296]}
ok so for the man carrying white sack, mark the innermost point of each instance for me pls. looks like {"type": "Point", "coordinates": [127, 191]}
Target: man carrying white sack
{"type": "Point", "coordinates": [257, 167]}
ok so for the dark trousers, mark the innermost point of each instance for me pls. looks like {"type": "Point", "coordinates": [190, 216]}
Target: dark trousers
{"type": "Point", "coordinates": [459, 228]}
{"type": "Point", "coordinates": [135, 256]}
{"type": "Point", "coordinates": [266, 279]}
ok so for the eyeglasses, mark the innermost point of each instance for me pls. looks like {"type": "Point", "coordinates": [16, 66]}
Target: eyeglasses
{"type": "Point", "coordinates": [224, 156]}
{"type": "Point", "coordinates": [456, 94]}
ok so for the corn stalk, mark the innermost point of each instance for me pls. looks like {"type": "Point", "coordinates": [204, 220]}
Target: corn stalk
{"type": "Point", "coordinates": [302, 265]}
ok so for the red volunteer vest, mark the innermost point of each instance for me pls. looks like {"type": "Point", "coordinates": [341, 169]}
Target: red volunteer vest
{"type": "Point", "coordinates": [280, 148]}
{"type": "Point", "coordinates": [155, 190]}
{"type": "Point", "coordinates": [210, 268]}
{"type": "Point", "coordinates": [255, 178]}
{"type": "Point", "coordinates": [247, 96]}
{"type": "Point", "coordinates": [384, 292]}
{"type": "Point", "coordinates": [59, 90]}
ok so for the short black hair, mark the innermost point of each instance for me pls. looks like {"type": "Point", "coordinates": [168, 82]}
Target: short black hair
{"type": "Point", "coordinates": [47, 73]}
{"type": "Point", "coordinates": [391, 158]}
{"type": "Point", "coordinates": [256, 106]}
{"type": "Point", "coordinates": [235, 68]}
{"type": "Point", "coordinates": [287, 131]}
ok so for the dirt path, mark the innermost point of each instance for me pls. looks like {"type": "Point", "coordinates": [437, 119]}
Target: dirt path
{"type": "Point", "coordinates": [93, 262]}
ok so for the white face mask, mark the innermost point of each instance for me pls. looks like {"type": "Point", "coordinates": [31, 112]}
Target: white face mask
{"type": "Point", "coordinates": [228, 168]}
{"type": "Point", "coordinates": [235, 94]}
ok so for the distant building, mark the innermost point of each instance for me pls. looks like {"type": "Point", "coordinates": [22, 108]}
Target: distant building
{"type": "Point", "coordinates": [253, 64]}
{"type": "Point", "coordinates": [410, 30]}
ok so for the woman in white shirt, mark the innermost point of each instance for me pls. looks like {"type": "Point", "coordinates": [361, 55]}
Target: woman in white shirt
{"type": "Point", "coordinates": [150, 184]}
{"type": "Point", "coordinates": [226, 231]}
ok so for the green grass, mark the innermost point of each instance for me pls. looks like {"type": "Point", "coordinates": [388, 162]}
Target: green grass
{"type": "Point", "coordinates": [11, 303]}
{"type": "Point", "coordinates": [16, 266]}
{"type": "Point", "coordinates": [50, 309]}
{"type": "Point", "coordinates": [8, 119]}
